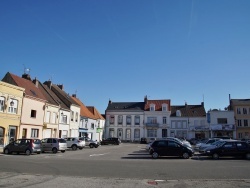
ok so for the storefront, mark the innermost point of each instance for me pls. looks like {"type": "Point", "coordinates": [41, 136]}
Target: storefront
{"type": "Point", "coordinates": [223, 130]}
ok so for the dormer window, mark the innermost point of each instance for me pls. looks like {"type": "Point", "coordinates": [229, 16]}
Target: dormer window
{"type": "Point", "coordinates": [178, 113]}
{"type": "Point", "coordinates": [164, 107]}
{"type": "Point", "coordinates": [152, 107]}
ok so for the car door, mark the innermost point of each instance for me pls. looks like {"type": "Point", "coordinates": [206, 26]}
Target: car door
{"type": "Point", "coordinates": [228, 149]}
{"type": "Point", "coordinates": [44, 144]}
{"type": "Point", "coordinates": [161, 148]}
{"type": "Point", "coordinates": [174, 149]}
{"type": "Point", "coordinates": [14, 146]}
{"type": "Point", "coordinates": [23, 145]}
{"type": "Point", "coordinates": [242, 148]}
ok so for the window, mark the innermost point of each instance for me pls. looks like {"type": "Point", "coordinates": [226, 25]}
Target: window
{"type": "Point", "coordinates": [196, 122]}
{"type": "Point", "coordinates": [76, 116]}
{"type": "Point", "coordinates": [184, 124]}
{"type": "Point", "coordinates": [120, 120]}
{"type": "Point", "coordinates": [34, 133]}
{"type": "Point", "coordinates": [162, 143]}
{"type": "Point", "coordinates": [164, 107]}
{"type": "Point", "coordinates": [178, 113]}
{"type": "Point", "coordinates": [128, 120]}
{"type": "Point", "coordinates": [239, 123]}
{"type": "Point", "coordinates": [244, 111]}
{"type": "Point", "coordinates": [173, 125]}
{"type": "Point", "coordinates": [172, 144]}
{"type": "Point", "coordinates": [179, 125]}
{"type": "Point", "coordinates": [92, 125]}
{"type": "Point", "coordinates": [2, 103]}
{"type": "Point", "coordinates": [164, 120]}
{"type": "Point", "coordinates": [164, 133]}
{"type": "Point", "coordinates": [152, 120]}
{"type": "Point", "coordinates": [222, 120]}
{"type": "Point", "coordinates": [152, 107]}
{"type": "Point", "coordinates": [152, 133]}
{"type": "Point", "coordinates": [137, 120]}
{"type": "Point", "coordinates": [47, 117]}
{"type": "Point", "coordinates": [54, 117]}
{"type": "Point", "coordinates": [33, 114]}
{"type": "Point", "coordinates": [128, 134]}
{"type": "Point", "coordinates": [13, 106]}
{"type": "Point", "coordinates": [246, 134]}
{"type": "Point", "coordinates": [245, 123]}
{"type": "Point", "coordinates": [72, 115]}
{"type": "Point", "coordinates": [112, 119]}
{"type": "Point", "coordinates": [238, 111]}
{"type": "Point", "coordinates": [240, 135]}
{"type": "Point", "coordinates": [137, 133]}
{"type": "Point", "coordinates": [64, 119]}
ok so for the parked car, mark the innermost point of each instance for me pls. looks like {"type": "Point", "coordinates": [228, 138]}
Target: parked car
{"type": "Point", "coordinates": [205, 144]}
{"type": "Point", "coordinates": [112, 140]}
{"type": "Point", "coordinates": [27, 146]}
{"type": "Point", "coordinates": [54, 145]}
{"type": "Point", "coordinates": [74, 143]}
{"type": "Point", "coordinates": [89, 142]}
{"type": "Point", "coordinates": [213, 145]}
{"type": "Point", "coordinates": [232, 148]}
{"type": "Point", "coordinates": [185, 142]}
{"type": "Point", "coordinates": [170, 148]}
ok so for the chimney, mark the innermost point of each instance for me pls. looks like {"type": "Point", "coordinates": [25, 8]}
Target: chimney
{"type": "Point", "coordinates": [146, 99]}
{"type": "Point", "coordinates": [230, 104]}
{"type": "Point", "coordinates": [60, 86]}
{"type": "Point", "coordinates": [186, 104]}
{"type": "Point", "coordinates": [202, 104]}
{"type": "Point", "coordinates": [74, 95]}
{"type": "Point", "coordinates": [26, 76]}
{"type": "Point", "coordinates": [35, 81]}
{"type": "Point", "coordinates": [110, 102]}
{"type": "Point", "coordinates": [48, 83]}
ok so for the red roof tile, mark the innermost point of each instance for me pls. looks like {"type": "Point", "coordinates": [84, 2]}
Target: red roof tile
{"type": "Point", "coordinates": [157, 103]}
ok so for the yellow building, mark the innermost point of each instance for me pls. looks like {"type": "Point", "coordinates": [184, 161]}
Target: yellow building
{"type": "Point", "coordinates": [11, 99]}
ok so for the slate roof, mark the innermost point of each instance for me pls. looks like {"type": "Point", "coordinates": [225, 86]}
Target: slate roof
{"type": "Point", "coordinates": [51, 96]}
{"type": "Point", "coordinates": [240, 101]}
{"type": "Point", "coordinates": [189, 111]}
{"type": "Point", "coordinates": [126, 106]}
{"type": "Point", "coordinates": [30, 87]}
{"type": "Point", "coordinates": [84, 111]}
{"type": "Point", "coordinates": [63, 96]}
{"type": "Point", "coordinates": [158, 104]}
{"type": "Point", "coordinates": [95, 112]}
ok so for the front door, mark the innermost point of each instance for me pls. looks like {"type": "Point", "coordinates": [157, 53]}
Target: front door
{"type": "Point", "coordinates": [12, 133]}
{"type": "Point", "coordinates": [1, 136]}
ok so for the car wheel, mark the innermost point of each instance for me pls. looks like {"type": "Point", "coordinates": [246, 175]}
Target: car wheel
{"type": "Point", "coordinates": [38, 152]}
{"type": "Point", "coordinates": [74, 147]}
{"type": "Point", "coordinates": [248, 156]}
{"type": "Point", "coordinates": [155, 155]}
{"type": "Point", "coordinates": [6, 151]}
{"type": "Point", "coordinates": [96, 146]}
{"type": "Point", "coordinates": [215, 156]}
{"type": "Point", "coordinates": [80, 148]}
{"type": "Point", "coordinates": [27, 152]}
{"type": "Point", "coordinates": [91, 146]}
{"type": "Point", "coordinates": [185, 155]}
{"type": "Point", "coordinates": [63, 151]}
{"type": "Point", "coordinates": [54, 150]}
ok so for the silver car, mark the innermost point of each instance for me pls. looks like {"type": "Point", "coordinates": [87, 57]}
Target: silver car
{"type": "Point", "coordinates": [74, 143]}
{"type": "Point", "coordinates": [53, 145]}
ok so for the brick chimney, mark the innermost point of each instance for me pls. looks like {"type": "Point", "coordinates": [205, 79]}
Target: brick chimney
{"type": "Point", "coordinates": [146, 99]}
{"type": "Point", "coordinates": [110, 102]}
{"type": "Point", "coordinates": [74, 95]}
{"type": "Point", "coordinates": [48, 83]}
{"type": "Point", "coordinates": [60, 86]}
{"type": "Point", "coordinates": [26, 76]}
{"type": "Point", "coordinates": [35, 81]}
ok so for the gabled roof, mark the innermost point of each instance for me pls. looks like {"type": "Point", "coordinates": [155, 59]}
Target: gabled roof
{"type": "Point", "coordinates": [158, 104]}
{"type": "Point", "coordinates": [63, 96]}
{"type": "Point", "coordinates": [95, 112]}
{"type": "Point", "coordinates": [30, 87]}
{"type": "Point", "coordinates": [83, 109]}
{"type": "Point", "coordinates": [126, 106]}
{"type": "Point", "coordinates": [189, 111]}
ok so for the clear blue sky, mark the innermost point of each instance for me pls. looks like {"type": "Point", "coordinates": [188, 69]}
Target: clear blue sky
{"type": "Point", "coordinates": [122, 50]}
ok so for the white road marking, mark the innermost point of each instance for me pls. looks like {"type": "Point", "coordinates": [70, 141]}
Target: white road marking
{"type": "Point", "coordinates": [97, 154]}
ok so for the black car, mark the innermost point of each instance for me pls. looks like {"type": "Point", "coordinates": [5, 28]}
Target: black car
{"type": "Point", "coordinates": [112, 140]}
{"type": "Point", "coordinates": [27, 146]}
{"type": "Point", "coordinates": [230, 148]}
{"type": "Point", "coordinates": [170, 148]}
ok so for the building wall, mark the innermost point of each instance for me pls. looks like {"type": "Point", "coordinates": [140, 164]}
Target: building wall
{"type": "Point", "coordinates": [74, 121]}
{"type": "Point", "coordinates": [10, 120]}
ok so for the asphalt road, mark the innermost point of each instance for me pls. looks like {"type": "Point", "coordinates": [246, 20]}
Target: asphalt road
{"type": "Point", "coordinates": [119, 163]}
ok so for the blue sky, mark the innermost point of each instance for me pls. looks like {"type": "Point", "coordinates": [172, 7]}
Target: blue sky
{"type": "Point", "coordinates": [189, 50]}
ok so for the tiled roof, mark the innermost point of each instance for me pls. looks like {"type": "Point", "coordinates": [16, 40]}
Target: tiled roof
{"type": "Point", "coordinates": [157, 103]}
{"type": "Point", "coordinates": [47, 94]}
{"type": "Point", "coordinates": [189, 110]}
{"type": "Point", "coordinates": [126, 106]}
{"type": "Point", "coordinates": [30, 87]}
{"type": "Point", "coordinates": [66, 98]}
{"type": "Point", "coordinates": [240, 101]}
{"type": "Point", "coordinates": [95, 112]}
{"type": "Point", "coordinates": [83, 109]}
{"type": "Point", "coordinates": [54, 97]}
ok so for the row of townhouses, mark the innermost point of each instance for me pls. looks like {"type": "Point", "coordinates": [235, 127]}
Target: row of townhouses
{"type": "Point", "coordinates": [131, 121]}
{"type": "Point", "coordinates": [31, 109]}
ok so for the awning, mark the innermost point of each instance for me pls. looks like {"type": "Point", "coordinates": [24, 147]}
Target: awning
{"type": "Point", "coordinates": [83, 130]}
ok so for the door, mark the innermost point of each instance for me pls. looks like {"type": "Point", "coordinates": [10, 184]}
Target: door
{"type": "Point", "coordinates": [24, 133]}
{"type": "Point", "coordinates": [12, 134]}
{"type": "Point", "coordinates": [1, 136]}
{"type": "Point", "coordinates": [47, 133]}
{"type": "Point", "coordinates": [174, 149]}
{"type": "Point", "coordinates": [229, 149]}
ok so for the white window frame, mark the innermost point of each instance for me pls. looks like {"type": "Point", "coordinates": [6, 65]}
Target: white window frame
{"type": "Point", "coordinates": [13, 109]}
{"type": "Point", "coordinates": [34, 133]}
{"type": "Point", "coordinates": [48, 117]}
{"type": "Point", "coordinates": [2, 103]}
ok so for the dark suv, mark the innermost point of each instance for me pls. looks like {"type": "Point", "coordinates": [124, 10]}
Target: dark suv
{"type": "Point", "coordinates": [170, 148]}
{"type": "Point", "coordinates": [231, 148]}
{"type": "Point", "coordinates": [27, 146]}
{"type": "Point", "coordinates": [112, 140]}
